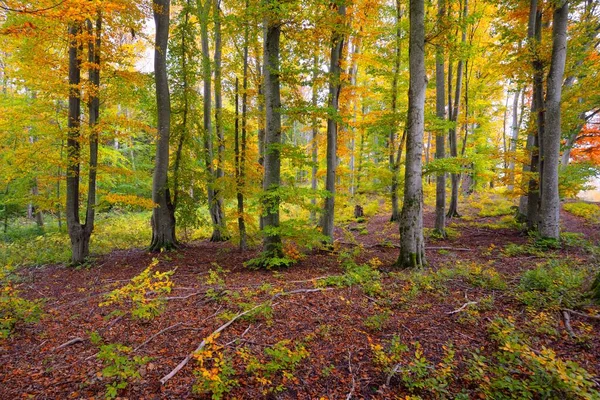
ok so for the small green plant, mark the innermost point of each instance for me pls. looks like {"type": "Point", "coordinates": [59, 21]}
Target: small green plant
{"type": "Point", "coordinates": [120, 367]}
{"type": "Point", "coordinates": [276, 366]}
{"type": "Point", "coordinates": [365, 275]}
{"type": "Point", "coordinates": [14, 309]}
{"type": "Point", "coordinates": [144, 294]}
{"type": "Point", "coordinates": [214, 371]}
{"type": "Point", "coordinates": [377, 322]}
{"type": "Point", "coordinates": [417, 374]}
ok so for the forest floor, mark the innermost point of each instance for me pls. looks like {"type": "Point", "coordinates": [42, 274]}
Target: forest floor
{"type": "Point", "coordinates": [343, 322]}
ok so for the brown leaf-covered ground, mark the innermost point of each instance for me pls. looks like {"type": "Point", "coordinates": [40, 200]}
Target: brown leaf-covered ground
{"type": "Point", "coordinates": [331, 323]}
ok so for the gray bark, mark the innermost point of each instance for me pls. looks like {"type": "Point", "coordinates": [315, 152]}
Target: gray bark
{"type": "Point", "coordinates": [412, 243]}
{"type": "Point", "coordinates": [163, 213]}
{"type": "Point", "coordinates": [337, 44]}
{"type": "Point", "coordinates": [549, 198]}
{"type": "Point", "coordinates": [440, 139]}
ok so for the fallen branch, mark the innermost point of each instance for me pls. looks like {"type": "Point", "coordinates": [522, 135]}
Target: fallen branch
{"type": "Point", "coordinates": [220, 329]}
{"type": "Point", "coordinates": [449, 248]}
{"type": "Point", "coordinates": [187, 358]}
{"type": "Point", "coordinates": [397, 246]}
{"type": "Point", "coordinates": [582, 314]}
{"type": "Point", "coordinates": [156, 334]}
{"type": "Point", "coordinates": [567, 321]}
{"type": "Point", "coordinates": [69, 343]}
{"type": "Point", "coordinates": [187, 296]}
{"type": "Point", "coordinates": [467, 304]}
{"type": "Point", "coordinates": [351, 392]}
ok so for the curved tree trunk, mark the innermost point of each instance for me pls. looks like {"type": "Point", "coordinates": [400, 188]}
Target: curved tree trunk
{"type": "Point", "coordinates": [163, 214]}
{"type": "Point", "coordinates": [412, 243]}
{"type": "Point", "coordinates": [549, 199]}
{"type": "Point", "coordinates": [314, 144]}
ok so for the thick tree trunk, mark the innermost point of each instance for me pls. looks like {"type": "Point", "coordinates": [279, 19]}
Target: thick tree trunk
{"type": "Point", "coordinates": [550, 201]}
{"type": "Point", "coordinates": [337, 45]}
{"type": "Point", "coordinates": [393, 134]}
{"type": "Point", "coordinates": [412, 243]}
{"type": "Point", "coordinates": [272, 247]}
{"type": "Point", "coordinates": [163, 214]}
{"type": "Point", "coordinates": [537, 110]}
{"type": "Point", "coordinates": [440, 139]}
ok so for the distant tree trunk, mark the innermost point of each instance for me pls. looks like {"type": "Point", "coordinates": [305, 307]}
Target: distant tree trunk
{"type": "Point", "coordinates": [353, 80]}
{"type": "Point", "coordinates": [394, 109]}
{"type": "Point", "coordinates": [242, 155]}
{"type": "Point", "coordinates": [514, 137]}
{"type": "Point", "coordinates": [33, 212]}
{"type": "Point", "coordinates": [314, 144]}
{"type": "Point", "coordinates": [549, 200]}
{"type": "Point", "coordinates": [412, 243]}
{"type": "Point", "coordinates": [272, 247]}
{"type": "Point", "coordinates": [219, 206]}
{"type": "Point", "coordinates": [453, 110]}
{"type": "Point", "coordinates": [537, 110]}
{"type": "Point", "coordinates": [163, 213]}
{"type": "Point", "coordinates": [337, 45]}
{"type": "Point", "coordinates": [440, 139]}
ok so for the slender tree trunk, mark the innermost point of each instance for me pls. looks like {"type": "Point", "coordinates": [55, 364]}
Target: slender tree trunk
{"type": "Point", "coordinates": [335, 84]}
{"type": "Point", "coordinates": [454, 110]}
{"type": "Point", "coordinates": [314, 144]}
{"type": "Point", "coordinates": [514, 137]}
{"type": "Point", "coordinates": [353, 80]}
{"type": "Point", "coordinates": [412, 243]}
{"type": "Point", "coordinates": [550, 201]}
{"type": "Point", "coordinates": [163, 214]}
{"type": "Point", "coordinates": [440, 138]}
{"type": "Point", "coordinates": [219, 205]}
{"type": "Point", "coordinates": [184, 112]}
{"type": "Point", "coordinates": [272, 247]}
{"type": "Point", "coordinates": [392, 140]}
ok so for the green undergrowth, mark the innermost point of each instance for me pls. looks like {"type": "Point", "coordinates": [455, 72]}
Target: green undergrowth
{"type": "Point", "coordinates": [589, 211]}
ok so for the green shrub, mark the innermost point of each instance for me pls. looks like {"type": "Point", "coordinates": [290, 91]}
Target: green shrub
{"type": "Point", "coordinates": [14, 309]}
{"type": "Point", "coordinates": [555, 284]}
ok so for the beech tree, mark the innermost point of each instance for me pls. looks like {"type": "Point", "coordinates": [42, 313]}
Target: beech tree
{"type": "Point", "coordinates": [163, 213]}
{"type": "Point", "coordinates": [412, 243]}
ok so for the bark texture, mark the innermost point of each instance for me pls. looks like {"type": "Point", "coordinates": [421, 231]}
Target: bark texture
{"type": "Point", "coordinates": [549, 199]}
{"type": "Point", "coordinates": [272, 247]}
{"type": "Point", "coordinates": [412, 243]}
{"type": "Point", "coordinates": [163, 214]}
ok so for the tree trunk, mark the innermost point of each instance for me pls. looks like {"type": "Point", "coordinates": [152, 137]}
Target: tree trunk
{"type": "Point", "coordinates": [314, 144]}
{"type": "Point", "coordinates": [219, 205]}
{"type": "Point", "coordinates": [412, 243]}
{"type": "Point", "coordinates": [440, 139]}
{"type": "Point", "coordinates": [514, 137]}
{"type": "Point", "coordinates": [550, 201]}
{"type": "Point", "coordinates": [272, 247]}
{"type": "Point", "coordinates": [453, 110]}
{"type": "Point", "coordinates": [394, 109]}
{"type": "Point", "coordinates": [537, 110]}
{"type": "Point", "coordinates": [163, 213]}
{"type": "Point", "coordinates": [337, 45]}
